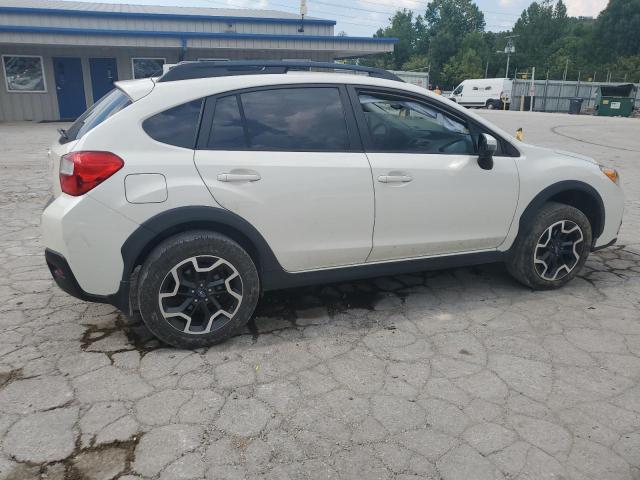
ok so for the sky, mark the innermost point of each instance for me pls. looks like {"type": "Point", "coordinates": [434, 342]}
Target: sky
{"type": "Point", "coordinates": [364, 17]}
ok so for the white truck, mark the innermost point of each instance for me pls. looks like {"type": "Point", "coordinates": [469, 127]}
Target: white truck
{"type": "Point", "coordinates": [490, 93]}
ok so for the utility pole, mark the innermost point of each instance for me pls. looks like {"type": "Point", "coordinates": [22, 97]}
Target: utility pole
{"type": "Point", "coordinates": [303, 12]}
{"type": "Point", "coordinates": [566, 70]}
{"type": "Point", "coordinates": [532, 90]}
{"type": "Point", "coordinates": [509, 50]}
{"type": "Point", "coordinates": [486, 70]}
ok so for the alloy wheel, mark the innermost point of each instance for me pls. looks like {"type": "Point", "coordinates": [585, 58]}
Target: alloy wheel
{"type": "Point", "coordinates": [556, 253]}
{"type": "Point", "coordinates": [200, 294]}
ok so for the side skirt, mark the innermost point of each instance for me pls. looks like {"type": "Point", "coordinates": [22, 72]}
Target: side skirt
{"type": "Point", "coordinates": [279, 279]}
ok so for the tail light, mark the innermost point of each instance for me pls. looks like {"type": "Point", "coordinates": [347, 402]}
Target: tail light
{"type": "Point", "coordinates": [83, 171]}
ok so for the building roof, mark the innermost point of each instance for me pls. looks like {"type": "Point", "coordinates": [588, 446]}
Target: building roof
{"type": "Point", "coordinates": [86, 8]}
{"type": "Point", "coordinates": [61, 22]}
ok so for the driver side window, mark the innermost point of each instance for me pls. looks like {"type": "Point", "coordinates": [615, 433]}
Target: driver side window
{"type": "Point", "coordinates": [398, 124]}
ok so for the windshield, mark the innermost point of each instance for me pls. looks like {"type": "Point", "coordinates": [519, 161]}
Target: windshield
{"type": "Point", "coordinates": [109, 105]}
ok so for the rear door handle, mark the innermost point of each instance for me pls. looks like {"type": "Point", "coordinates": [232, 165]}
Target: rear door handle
{"type": "Point", "coordinates": [238, 177]}
{"type": "Point", "coordinates": [394, 178]}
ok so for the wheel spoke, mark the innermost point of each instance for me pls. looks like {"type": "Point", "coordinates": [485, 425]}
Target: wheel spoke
{"type": "Point", "coordinates": [215, 302]}
{"type": "Point", "coordinates": [184, 281]}
{"type": "Point", "coordinates": [191, 298]}
{"type": "Point", "coordinates": [179, 308]}
{"type": "Point", "coordinates": [556, 254]}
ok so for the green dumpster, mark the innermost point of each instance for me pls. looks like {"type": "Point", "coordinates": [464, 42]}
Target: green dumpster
{"type": "Point", "coordinates": [615, 100]}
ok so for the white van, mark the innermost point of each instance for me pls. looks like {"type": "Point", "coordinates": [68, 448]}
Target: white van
{"type": "Point", "coordinates": [483, 92]}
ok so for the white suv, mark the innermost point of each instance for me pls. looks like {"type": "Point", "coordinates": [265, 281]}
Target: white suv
{"type": "Point", "coordinates": [186, 196]}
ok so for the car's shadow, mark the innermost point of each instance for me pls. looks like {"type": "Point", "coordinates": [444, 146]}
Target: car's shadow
{"type": "Point", "coordinates": [279, 311]}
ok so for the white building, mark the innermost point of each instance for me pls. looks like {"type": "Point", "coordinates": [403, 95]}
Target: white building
{"type": "Point", "coordinates": [58, 57]}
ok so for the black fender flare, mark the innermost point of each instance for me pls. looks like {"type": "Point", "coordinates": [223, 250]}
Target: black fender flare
{"type": "Point", "coordinates": [557, 188]}
{"type": "Point", "coordinates": [170, 222]}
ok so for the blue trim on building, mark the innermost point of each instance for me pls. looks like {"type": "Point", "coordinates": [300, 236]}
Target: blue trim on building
{"type": "Point", "coordinates": [158, 16]}
{"type": "Point", "coordinates": [183, 35]}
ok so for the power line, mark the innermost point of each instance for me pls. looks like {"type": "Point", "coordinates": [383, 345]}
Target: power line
{"type": "Point", "coordinates": [366, 10]}
{"type": "Point", "coordinates": [227, 3]}
{"type": "Point", "coordinates": [343, 18]}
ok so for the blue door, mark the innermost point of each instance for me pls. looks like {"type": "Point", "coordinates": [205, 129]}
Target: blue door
{"type": "Point", "coordinates": [69, 87]}
{"type": "Point", "coordinates": [104, 72]}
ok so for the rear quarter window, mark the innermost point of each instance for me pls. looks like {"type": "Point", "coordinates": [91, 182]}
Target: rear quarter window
{"type": "Point", "coordinates": [176, 126]}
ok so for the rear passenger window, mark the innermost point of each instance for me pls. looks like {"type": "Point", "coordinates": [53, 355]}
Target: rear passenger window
{"type": "Point", "coordinates": [302, 119]}
{"type": "Point", "coordinates": [177, 126]}
{"type": "Point", "coordinates": [227, 131]}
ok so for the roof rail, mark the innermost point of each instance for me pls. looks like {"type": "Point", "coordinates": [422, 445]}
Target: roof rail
{"type": "Point", "coordinates": [205, 69]}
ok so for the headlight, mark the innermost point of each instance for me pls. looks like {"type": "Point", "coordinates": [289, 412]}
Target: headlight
{"type": "Point", "coordinates": [612, 173]}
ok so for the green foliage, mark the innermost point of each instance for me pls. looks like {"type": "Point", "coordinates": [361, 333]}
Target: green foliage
{"type": "Point", "coordinates": [618, 27]}
{"type": "Point", "coordinates": [470, 60]}
{"type": "Point", "coordinates": [466, 64]}
{"type": "Point", "coordinates": [540, 28]}
{"type": "Point", "coordinates": [447, 22]}
{"type": "Point", "coordinates": [404, 28]}
{"type": "Point", "coordinates": [449, 39]}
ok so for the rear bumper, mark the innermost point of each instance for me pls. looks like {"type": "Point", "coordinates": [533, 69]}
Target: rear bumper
{"type": "Point", "coordinates": [66, 280]}
{"type": "Point", "coordinates": [88, 236]}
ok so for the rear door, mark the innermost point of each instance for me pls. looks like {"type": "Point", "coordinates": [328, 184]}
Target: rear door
{"type": "Point", "coordinates": [289, 161]}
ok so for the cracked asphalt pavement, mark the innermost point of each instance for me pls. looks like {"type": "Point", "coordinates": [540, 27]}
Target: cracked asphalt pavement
{"type": "Point", "coordinates": [458, 374]}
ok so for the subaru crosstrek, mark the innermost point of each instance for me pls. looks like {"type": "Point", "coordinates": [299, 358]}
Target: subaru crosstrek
{"type": "Point", "coordinates": [185, 197]}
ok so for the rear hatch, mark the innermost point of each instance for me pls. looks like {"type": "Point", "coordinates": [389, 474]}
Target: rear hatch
{"type": "Point", "coordinates": [119, 98]}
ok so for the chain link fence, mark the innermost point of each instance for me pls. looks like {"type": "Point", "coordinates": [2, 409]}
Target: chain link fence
{"type": "Point", "coordinates": [554, 95]}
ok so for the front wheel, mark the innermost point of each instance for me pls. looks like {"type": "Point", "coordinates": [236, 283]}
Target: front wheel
{"type": "Point", "coordinates": [197, 289]}
{"type": "Point", "coordinates": [552, 249]}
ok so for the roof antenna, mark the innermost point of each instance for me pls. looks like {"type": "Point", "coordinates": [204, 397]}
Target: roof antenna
{"type": "Point", "coordinates": [303, 12]}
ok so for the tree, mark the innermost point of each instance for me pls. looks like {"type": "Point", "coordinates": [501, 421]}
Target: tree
{"type": "Point", "coordinates": [469, 62]}
{"type": "Point", "coordinates": [618, 29]}
{"type": "Point", "coordinates": [446, 24]}
{"type": "Point", "coordinates": [626, 69]}
{"type": "Point", "coordinates": [416, 63]}
{"type": "Point", "coordinates": [466, 64]}
{"type": "Point", "coordinates": [450, 41]}
{"type": "Point", "coordinates": [540, 27]}
{"type": "Point", "coordinates": [404, 29]}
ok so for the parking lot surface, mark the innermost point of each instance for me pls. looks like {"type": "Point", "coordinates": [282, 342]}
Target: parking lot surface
{"type": "Point", "coordinates": [458, 374]}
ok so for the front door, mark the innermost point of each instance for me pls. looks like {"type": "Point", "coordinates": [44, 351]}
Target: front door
{"type": "Point", "coordinates": [69, 87]}
{"type": "Point", "coordinates": [104, 72]}
{"type": "Point", "coordinates": [288, 161]}
{"type": "Point", "coordinates": [431, 196]}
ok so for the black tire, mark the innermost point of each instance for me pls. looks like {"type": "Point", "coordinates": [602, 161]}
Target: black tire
{"type": "Point", "coordinates": [491, 105]}
{"type": "Point", "coordinates": [525, 261]}
{"type": "Point", "coordinates": [178, 252]}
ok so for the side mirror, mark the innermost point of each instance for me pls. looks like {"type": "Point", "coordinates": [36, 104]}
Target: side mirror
{"type": "Point", "coordinates": [487, 147]}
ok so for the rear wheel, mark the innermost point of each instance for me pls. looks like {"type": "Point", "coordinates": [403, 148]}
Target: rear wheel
{"type": "Point", "coordinates": [197, 289]}
{"type": "Point", "coordinates": [552, 249]}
